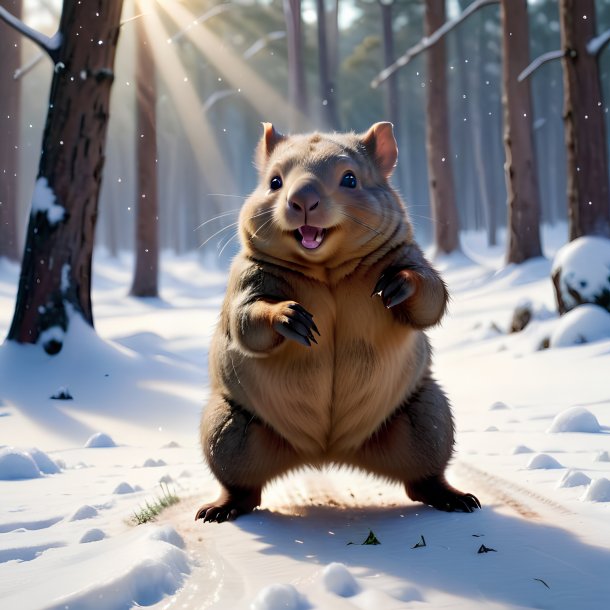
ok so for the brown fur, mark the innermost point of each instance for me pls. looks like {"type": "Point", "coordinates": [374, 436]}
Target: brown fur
{"type": "Point", "coordinates": [359, 391]}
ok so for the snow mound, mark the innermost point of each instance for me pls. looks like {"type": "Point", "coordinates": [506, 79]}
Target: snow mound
{"type": "Point", "coordinates": [152, 463]}
{"type": "Point", "coordinates": [574, 478]}
{"type": "Point", "coordinates": [491, 429]}
{"type": "Point", "coordinates": [585, 324]}
{"type": "Point", "coordinates": [123, 488]}
{"type": "Point", "coordinates": [581, 273]}
{"type": "Point", "coordinates": [166, 478]}
{"type": "Point", "coordinates": [575, 419]}
{"type": "Point", "coordinates": [84, 512]}
{"type": "Point", "coordinates": [168, 534]}
{"type": "Point", "coordinates": [518, 449]}
{"type": "Point", "coordinates": [171, 445]}
{"type": "Point", "coordinates": [499, 406]}
{"type": "Point", "coordinates": [602, 456]}
{"type": "Point", "coordinates": [16, 464]}
{"type": "Point", "coordinates": [100, 440]}
{"type": "Point", "coordinates": [339, 580]}
{"type": "Point", "coordinates": [279, 597]}
{"type": "Point", "coordinates": [45, 464]}
{"type": "Point", "coordinates": [543, 461]}
{"type": "Point", "coordinates": [92, 535]}
{"type": "Point", "coordinates": [598, 491]}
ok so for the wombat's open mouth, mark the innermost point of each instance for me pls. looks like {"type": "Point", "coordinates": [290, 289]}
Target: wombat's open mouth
{"type": "Point", "coordinates": [310, 237]}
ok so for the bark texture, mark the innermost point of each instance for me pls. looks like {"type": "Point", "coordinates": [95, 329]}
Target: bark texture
{"type": "Point", "coordinates": [56, 269]}
{"type": "Point", "coordinates": [328, 93]}
{"type": "Point", "coordinates": [297, 94]}
{"type": "Point", "coordinates": [585, 124]}
{"type": "Point", "coordinates": [520, 165]}
{"type": "Point", "coordinates": [145, 280]}
{"type": "Point", "coordinates": [440, 171]}
{"type": "Point", "coordinates": [10, 52]}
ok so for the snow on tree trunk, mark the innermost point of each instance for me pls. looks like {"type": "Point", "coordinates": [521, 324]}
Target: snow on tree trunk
{"type": "Point", "coordinates": [145, 280]}
{"type": "Point", "coordinates": [10, 52]}
{"type": "Point", "coordinates": [440, 172]}
{"type": "Point", "coordinates": [585, 124]}
{"type": "Point", "coordinates": [56, 268]}
{"type": "Point", "coordinates": [520, 166]}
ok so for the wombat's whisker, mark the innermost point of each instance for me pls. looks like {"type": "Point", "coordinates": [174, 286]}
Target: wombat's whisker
{"type": "Point", "coordinates": [227, 243]}
{"type": "Point", "coordinates": [229, 213]}
{"type": "Point", "coordinates": [233, 224]}
{"type": "Point", "coordinates": [262, 226]}
{"type": "Point", "coordinates": [360, 222]}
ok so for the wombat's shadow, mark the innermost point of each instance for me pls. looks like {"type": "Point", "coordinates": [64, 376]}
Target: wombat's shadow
{"type": "Point", "coordinates": [533, 564]}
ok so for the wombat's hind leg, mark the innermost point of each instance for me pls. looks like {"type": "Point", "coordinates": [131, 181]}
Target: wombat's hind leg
{"type": "Point", "coordinates": [231, 503]}
{"type": "Point", "coordinates": [436, 492]}
{"type": "Point", "coordinates": [244, 454]}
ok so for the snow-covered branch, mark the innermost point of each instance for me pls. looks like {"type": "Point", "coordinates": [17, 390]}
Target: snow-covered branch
{"type": "Point", "coordinates": [597, 44]}
{"type": "Point", "coordinates": [30, 65]}
{"type": "Point", "coordinates": [540, 61]}
{"type": "Point", "coordinates": [261, 43]}
{"type": "Point", "coordinates": [49, 44]}
{"type": "Point", "coordinates": [428, 41]}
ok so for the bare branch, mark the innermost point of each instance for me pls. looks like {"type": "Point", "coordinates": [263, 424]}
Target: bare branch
{"type": "Point", "coordinates": [215, 10]}
{"type": "Point", "coordinates": [540, 61]}
{"type": "Point", "coordinates": [596, 45]}
{"type": "Point", "coordinates": [428, 41]}
{"type": "Point", "coordinates": [261, 43]}
{"type": "Point", "coordinates": [30, 65]}
{"type": "Point", "coordinates": [50, 45]}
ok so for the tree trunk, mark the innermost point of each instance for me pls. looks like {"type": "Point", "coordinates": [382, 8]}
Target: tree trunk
{"type": "Point", "coordinates": [10, 52]}
{"type": "Point", "coordinates": [520, 167]}
{"type": "Point", "coordinates": [585, 125]}
{"type": "Point", "coordinates": [145, 280]}
{"type": "Point", "coordinates": [440, 172]}
{"type": "Point", "coordinates": [297, 95]}
{"type": "Point", "coordinates": [328, 94]}
{"type": "Point", "coordinates": [56, 271]}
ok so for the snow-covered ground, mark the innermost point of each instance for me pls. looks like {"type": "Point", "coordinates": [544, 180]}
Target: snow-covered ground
{"type": "Point", "coordinates": [533, 445]}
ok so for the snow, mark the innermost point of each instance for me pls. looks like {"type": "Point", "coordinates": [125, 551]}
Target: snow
{"type": "Point", "coordinates": [543, 461]}
{"type": "Point", "coordinates": [16, 464]}
{"type": "Point", "coordinates": [575, 419]}
{"type": "Point", "coordinates": [141, 381]}
{"type": "Point", "coordinates": [584, 324]}
{"type": "Point", "coordinates": [585, 268]}
{"type": "Point", "coordinates": [100, 440]}
{"type": "Point", "coordinates": [44, 201]}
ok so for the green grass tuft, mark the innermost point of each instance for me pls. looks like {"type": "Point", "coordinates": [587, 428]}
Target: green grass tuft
{"type": "Point", "coordinates": [150, 511]}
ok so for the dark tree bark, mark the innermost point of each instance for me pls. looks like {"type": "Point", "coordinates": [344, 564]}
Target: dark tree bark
{"type": "Point", "coordinates": [440, 172]}
{"type": "Point", "coordinates": [328, 93]}
{"type": "Point", "coordinates": [585, 125]}
{"type": "Point", "coordinates": [145, 280]}
{"type": "Point", "coordinates": [520, 167]}
{"type": "Point", "coordinates": [10, 52]}
{"type": "Point", "coordinates": [297, 93]}
{"type": "Point", "coordinates": [56, 270]}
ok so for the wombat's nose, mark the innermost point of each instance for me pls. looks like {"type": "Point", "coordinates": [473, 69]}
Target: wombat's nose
{"type": "Point", "coordinates": [304, 198]}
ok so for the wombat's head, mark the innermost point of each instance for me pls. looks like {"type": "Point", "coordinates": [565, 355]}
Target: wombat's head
{"type": "Point", "coordinates": [324, 198]}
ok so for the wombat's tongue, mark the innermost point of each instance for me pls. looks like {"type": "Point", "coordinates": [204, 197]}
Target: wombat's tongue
{"type": "Point", "coordinates": [312, 236]}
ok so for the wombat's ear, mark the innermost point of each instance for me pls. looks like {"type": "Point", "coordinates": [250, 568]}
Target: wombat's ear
{"type": "Point", "coordinates": [381, 145]}
{"type": "Point", "coordinates": [271, 138]}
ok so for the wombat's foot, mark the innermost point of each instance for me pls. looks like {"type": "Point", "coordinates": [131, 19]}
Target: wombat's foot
{"type": "Point", "coordinates": [296, 323]}
{"type": "Point", "coordinates": [395, 286]}
{"type": "Point", "coordinates": [436, 492]}
{"type": "Point", "coordinates": [230, 504]}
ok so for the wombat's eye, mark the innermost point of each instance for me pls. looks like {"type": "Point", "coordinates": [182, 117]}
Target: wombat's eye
{"type": "Point", "coordinates": [349, 180]}
{"type": "Point", "coordinates": [276, 183]}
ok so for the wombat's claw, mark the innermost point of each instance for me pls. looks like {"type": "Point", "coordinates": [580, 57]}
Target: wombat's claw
{"type": "Point", "coordinates": [436, 492]}
{"type": "Point", "coordinates": [394, 287]}
{"type": "Point", "coordinates": [216, 513]}
{"type": "Point", "coordinates": [297, 325]}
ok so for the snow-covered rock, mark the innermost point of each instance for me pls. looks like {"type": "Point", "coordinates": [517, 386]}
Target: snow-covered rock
{"type": "Point", "coordinates": [598, 491]}
{"type": "Point", "coordinates": [575, 419]}
{"type": "Point", "coordinates": [123, 488]}
{"type": "Point", "coordinates": [543, 461]}
{"type": "Point", "coordinates": [100, 439]}
{"type": "Point", "coordinates": [338, 580]}
{"type": "Point", "coordinates": [573, 478]}
{"type": "Point", "coordinates": [279, 597]}
{"type": "Point", "coordinates": [17, 464]}
{"type": "Point", "coordinates": [92, 535]}
{"type": "Point", "coordinates": [584, 324]}
{"type": "Point", "coordinates": [152, 463]}
{"type": "Point", "coordinates": [581, 273]}
{"type": "Point", "coordinates": [45, 464]}
{"type": "Point", "coordinates": [84, 512]}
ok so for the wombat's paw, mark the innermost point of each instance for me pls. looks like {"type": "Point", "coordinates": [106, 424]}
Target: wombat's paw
{"type": "Point", "coordinates": [438, 493]}
{"type": "Point", "coordinates": [395, 286]}
{"type": "Point", "coordinates": [296, 323]}
{"type": "Point", "coordinates": [230, 505]}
